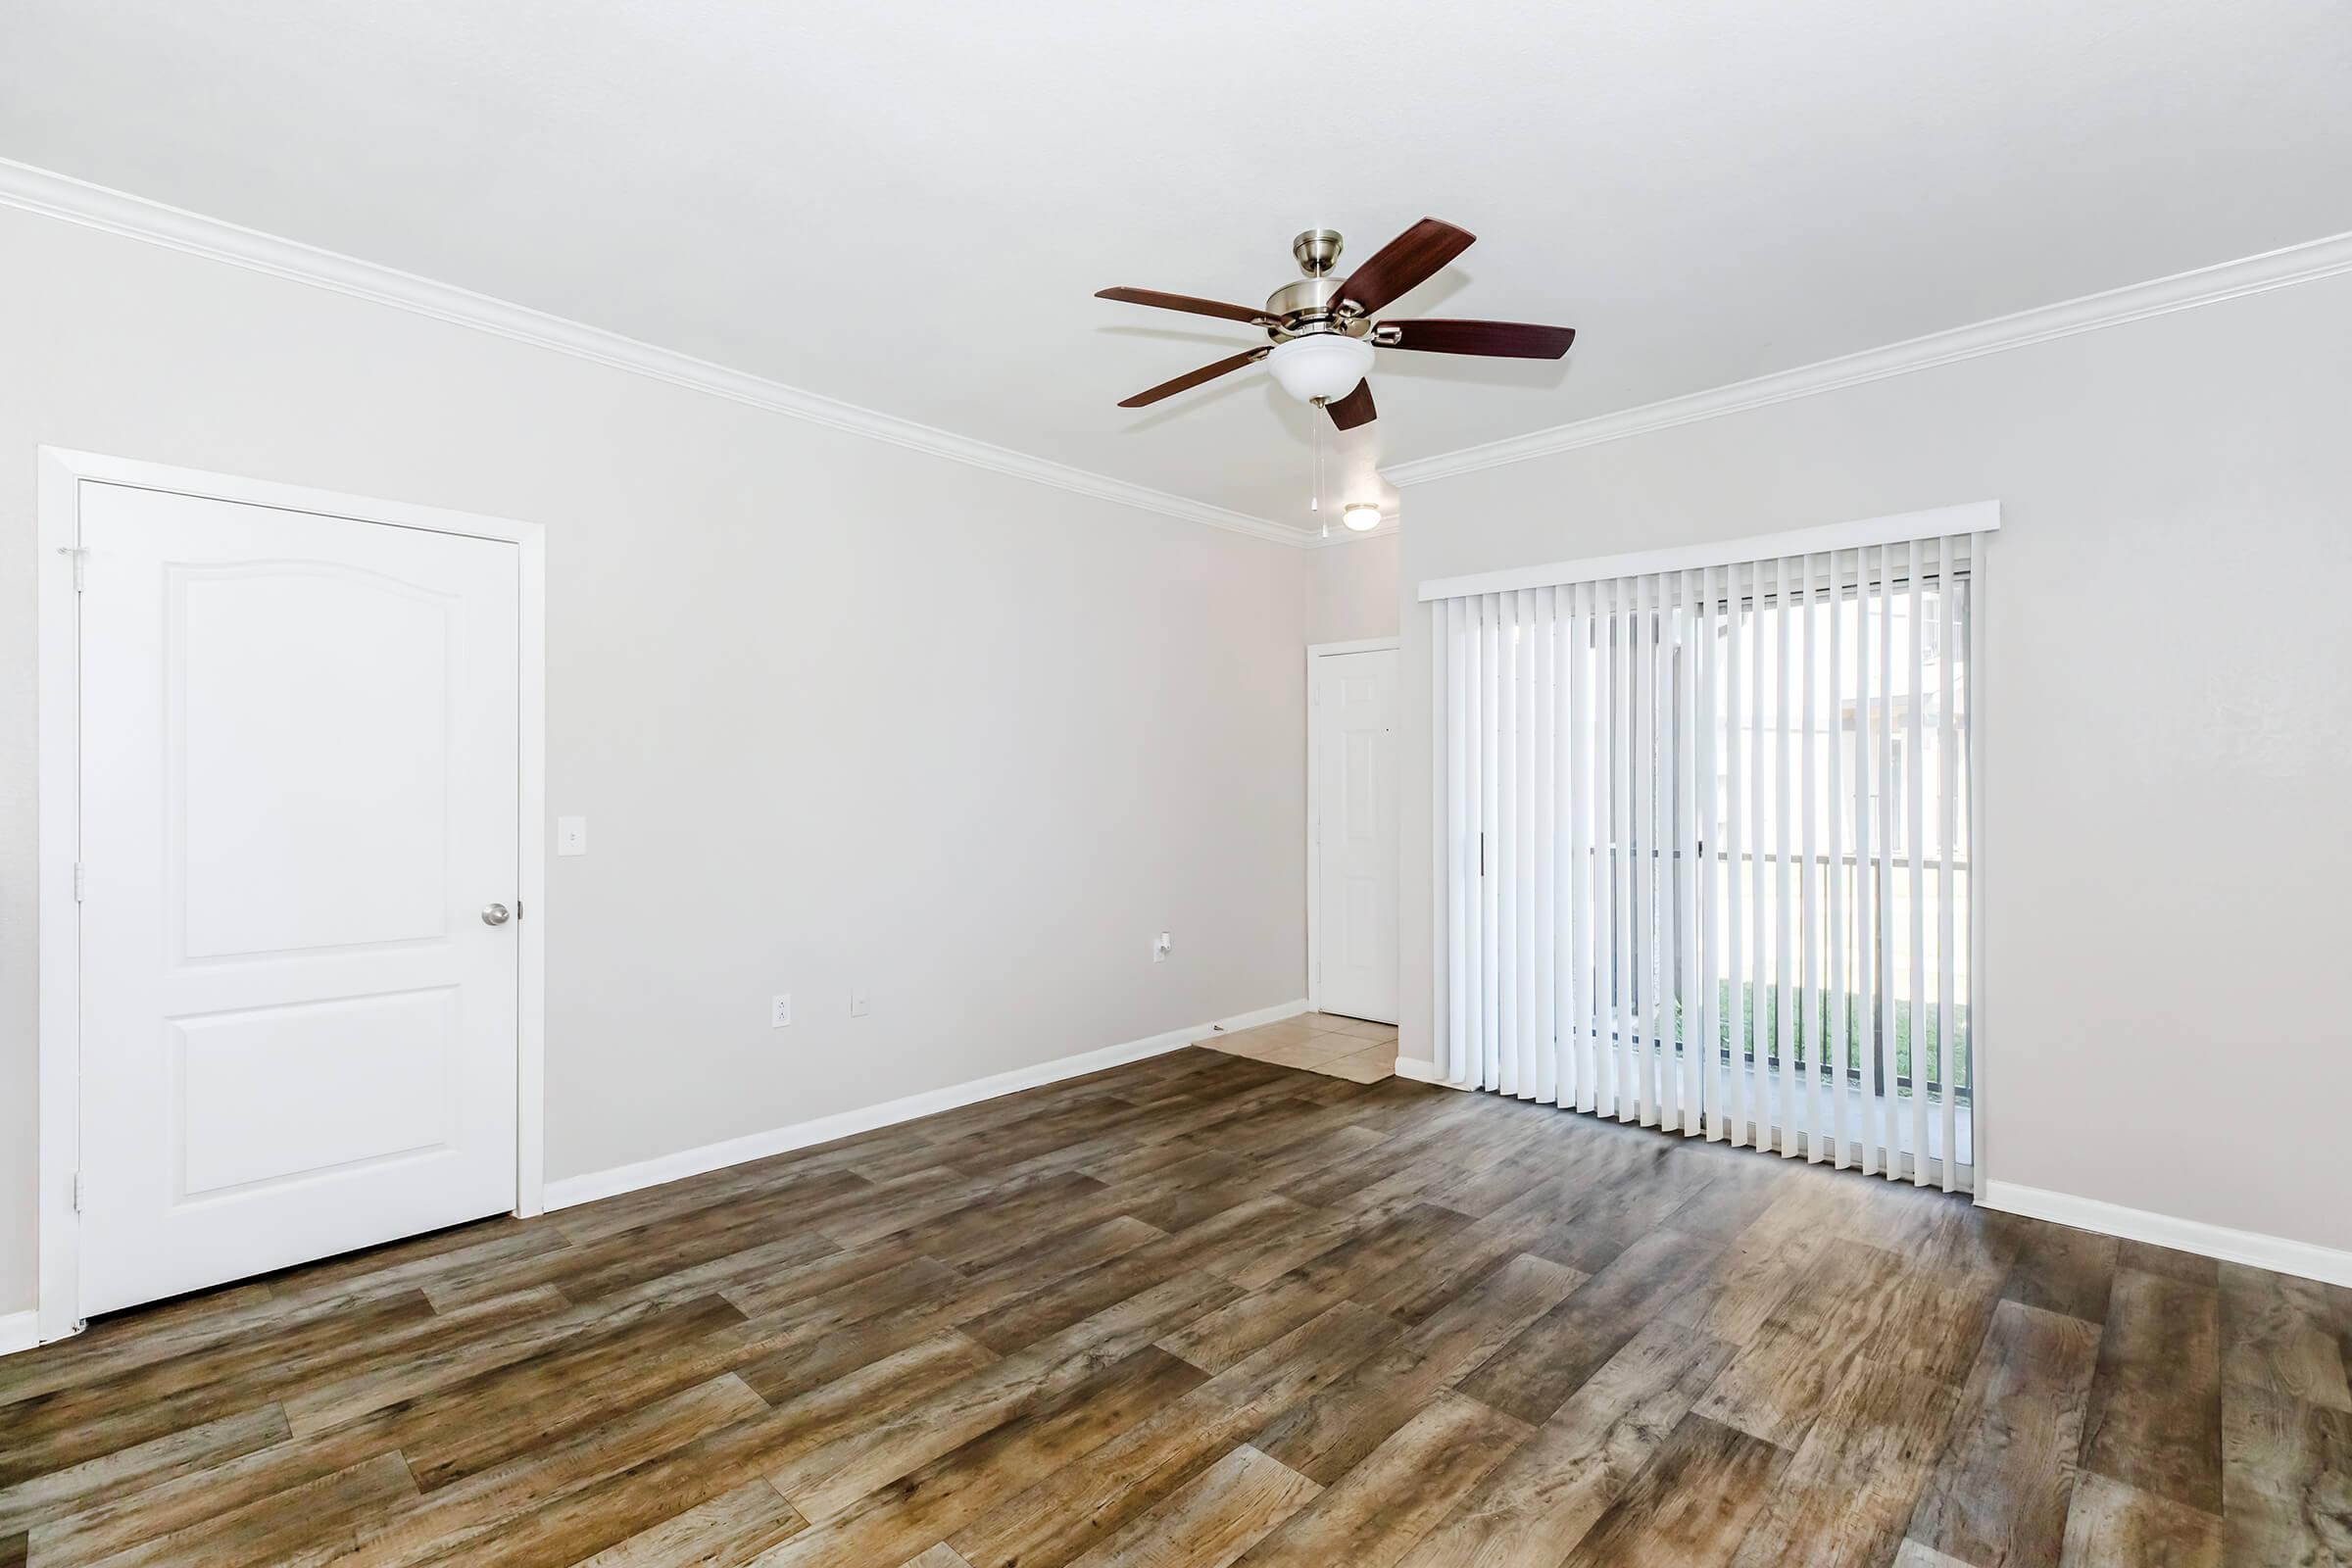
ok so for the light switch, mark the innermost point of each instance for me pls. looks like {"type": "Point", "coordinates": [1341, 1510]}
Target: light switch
{"type": "Point", "coordinates": [571, 835]}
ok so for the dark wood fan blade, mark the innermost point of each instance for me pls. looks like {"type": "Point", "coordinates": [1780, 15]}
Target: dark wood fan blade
{"type": "Point", "coordinates": [1355, 409]}
{"type": "Point", "coordinates": [1405, 263]}
{"type": "Point", "coordinates": [1192, 378]}
{"type": "Point", "coordinates": [1505, 340]}
{"type": "Point", "coordinates": [1183, 302]}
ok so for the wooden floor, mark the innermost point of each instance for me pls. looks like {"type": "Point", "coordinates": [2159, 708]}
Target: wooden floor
{"type": "Point", "coordinates": [1207, 1309]}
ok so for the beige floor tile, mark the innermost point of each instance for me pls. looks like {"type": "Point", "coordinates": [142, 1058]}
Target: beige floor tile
{"type": "Point", "coordinates": [1361, 1066]}
{"type": "Point", "coordinates": [1364, 1028]}
{"type": "Point", "coordinates": [1304, 1054]}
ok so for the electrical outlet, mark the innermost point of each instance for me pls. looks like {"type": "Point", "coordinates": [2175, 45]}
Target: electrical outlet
{"type": "Point", "coordinates": [571, 835]}
{"type": "Point", "coordinates": [779, 1014]}
{"type": "Point", "coordinates": [1159, 948]}
{"type": "Point", "coordinates": [857, 1005]}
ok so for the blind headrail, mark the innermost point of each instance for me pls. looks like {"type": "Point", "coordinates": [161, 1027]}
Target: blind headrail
{"type": "Point", "coordinates": [1974, 516]}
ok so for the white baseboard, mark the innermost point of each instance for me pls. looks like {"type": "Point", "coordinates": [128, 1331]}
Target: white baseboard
{"type": "Point", "coordinates": [2279, 1253]}
{"type": "Point", "coordinates": [575, 1189]}
{"type": "Point", "coordinates": [19, 1331]}
{"type": "Point", "coordinates": [1419, 1071]}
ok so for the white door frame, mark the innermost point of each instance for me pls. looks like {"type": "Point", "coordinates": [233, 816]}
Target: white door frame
{"type": "Point", "coordinates": [1314, 799]}
{"type": "Point", "coordinates": [59, 1069]}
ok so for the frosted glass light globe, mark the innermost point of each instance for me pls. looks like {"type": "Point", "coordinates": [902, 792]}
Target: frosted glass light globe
{"type": "Point", "coordinates": [1323, 365]}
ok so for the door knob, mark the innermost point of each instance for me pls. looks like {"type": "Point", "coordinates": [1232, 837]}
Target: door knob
{"type": "Point", "coordinates": [494, 914]}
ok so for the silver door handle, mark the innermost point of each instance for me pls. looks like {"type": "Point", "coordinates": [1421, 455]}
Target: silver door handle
{"type": "Point", "coordinates": [494, 914]}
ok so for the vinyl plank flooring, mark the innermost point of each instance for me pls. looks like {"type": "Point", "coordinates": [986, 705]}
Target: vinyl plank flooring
{"type": "Point", "coordinates": [2155, 1420]}
{"type": "Point", "coordinates": [1691, 1504]}
{"type": "Point", "coordinates": [1999, 1494]}
{"type": "Point", "coordinates": [1541, 1500]}
{"type": "Point", "coordinates": [1202, 1310]}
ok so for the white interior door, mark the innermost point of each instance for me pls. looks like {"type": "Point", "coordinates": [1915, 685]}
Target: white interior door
{"type": "Point", "coordinates": [299, 793]}
{"type": "Point", "coordinates": [1354, 731]}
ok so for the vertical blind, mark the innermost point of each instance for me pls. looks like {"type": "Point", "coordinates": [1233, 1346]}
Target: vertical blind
{"type": "Point", "coordinates": [1705, 851]}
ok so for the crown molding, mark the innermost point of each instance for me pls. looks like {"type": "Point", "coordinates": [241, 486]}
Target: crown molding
{"type": "Point", "coordinates": [2253, 274]}
{"type": "Point", "coordinates": [1350, 536]}
{"type": "Point", "coordinates": [63, 197]}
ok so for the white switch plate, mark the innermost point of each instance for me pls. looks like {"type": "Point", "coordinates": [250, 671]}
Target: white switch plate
{"type": "Point", "coordinates": [571, 835]}
{"type": "Point", "coordinates": [1159, 948]}
{"type": "Point", "coordinates": [779, 1015]}
{"type": "Point", "coordinates": [857, 1005]}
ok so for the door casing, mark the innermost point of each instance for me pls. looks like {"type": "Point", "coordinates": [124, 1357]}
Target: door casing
{"type": "Point", "coordinates": [1314, 798]}
{"type": "Point", "coordinates": [62, 475]}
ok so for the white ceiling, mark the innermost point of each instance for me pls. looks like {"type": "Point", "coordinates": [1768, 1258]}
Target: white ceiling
{"type": "Point", "coordinates": [907, 205]}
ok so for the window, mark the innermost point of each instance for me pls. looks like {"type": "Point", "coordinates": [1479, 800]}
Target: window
{"type": "Point", "coordinates": [1706, 846]}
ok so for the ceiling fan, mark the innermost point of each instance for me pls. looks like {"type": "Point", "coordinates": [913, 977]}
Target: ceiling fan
{"type": "Point", "coordinates": [1321, 329]}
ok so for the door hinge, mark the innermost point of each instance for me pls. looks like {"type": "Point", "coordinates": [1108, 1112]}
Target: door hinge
{"type": "Point", "coordinates": [76, 881]}
{"type": "Point", "coordinates": [77, 1191]}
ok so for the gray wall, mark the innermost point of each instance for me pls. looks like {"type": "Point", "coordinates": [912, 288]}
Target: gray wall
{"type": "Point", "coordinates": [1351, 590]}
{"type": "Point", "coordinates": [840, 714]}
{"type": "Point", "coordinates": [2167, 719]}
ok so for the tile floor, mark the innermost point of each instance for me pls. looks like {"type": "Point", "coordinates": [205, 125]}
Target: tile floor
{"type": "Point", "coordinates": [1353, 1048]}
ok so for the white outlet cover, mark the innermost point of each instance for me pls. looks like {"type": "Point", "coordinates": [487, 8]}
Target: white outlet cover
{"type": "Point", "coordinates": [779, 1014]}
{"type": "Point", "coordinates": [571, 835]}
{"type": "Point", "coordinates": [858, 1008]}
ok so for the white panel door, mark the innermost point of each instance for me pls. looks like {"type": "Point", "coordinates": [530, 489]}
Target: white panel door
{"type": "Point", "coordinates": [299, 783]}
{"type": "Point", "coordinates": [1354, 726]}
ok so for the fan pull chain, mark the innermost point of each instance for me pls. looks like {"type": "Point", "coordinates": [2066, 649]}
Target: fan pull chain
{"type": "Point", "coordinates": [1314, 503]}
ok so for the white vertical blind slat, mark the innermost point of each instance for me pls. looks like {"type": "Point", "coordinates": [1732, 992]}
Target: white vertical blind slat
{"type": "Point", "coordinates": [1872, 1129]}
{"type": "Point", "coordinates": [1947, 750]}
{"type": "Point", "coordinates": [1503, 850]}
{"type": "Point", "coordinates": [1584, 762]}
{"type": "Point", "coordinates": [1636, 847]}
{"type": "Point", "coordinates": [1710, 846]}
{"type": "Point", "coordinates": [1914, 801]}
{"type": "Point", "coordinates": [1649, 757]}
{"type": "Point", "coordinates": [1524, 844]}
{"type": "Point", "coordinates": [1735, 842]}
{"type": "Point", "coordinates": [1835, 854]}
{"type": "Point", "coordinates": [1449, 1059]}
{"type": "Point", "coordinates": [1543, 1015]}
{"type": "Point", "coordinates": [1763, 908]}
{"type": "Point", "coordinates": [1881, 740]}
{"type": "Point", "coordinates": [1690, 1104]}
{"type": "Point", "coordinates": [1783, 845]}
{"type": "Point", "coordinates": [1808, 992]}
{"type": "Point", "coordinates": [1489, 991]}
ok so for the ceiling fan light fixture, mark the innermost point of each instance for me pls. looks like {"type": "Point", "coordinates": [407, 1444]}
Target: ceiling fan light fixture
{"type": "Point", "coordinates": [1321, 368]}
{"type": "Point", "coordinates": [1360, 517]}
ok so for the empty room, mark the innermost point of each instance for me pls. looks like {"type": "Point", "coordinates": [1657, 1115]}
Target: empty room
{"type": "Point", "coordinates": [912, 785]}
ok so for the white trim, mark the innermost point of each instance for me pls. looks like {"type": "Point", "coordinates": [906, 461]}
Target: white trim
{"type": "Point", "coordinates": [62, 473]}
{"type": "Point", "coordinates": [571, 1191]}
{"type": "Point", "coordinates": [2253, 274]}
{"type": "Point", "coordinates": [74, 201]}
{"type": "Point", "coordinates": [2279, 1253]}
{"type": "Point", "coordinates": [1421, 1072]}
{"type": "Point", "coordinates": [19, 1331]}
{"type": "Point", "coordinates": [1974, 516]}
{"type": "Point", "coordinates": [1315, 825]}
{"type": "Point", "coordinates": [1342, 535]}
{"type": "Point", "coordinates": [57, 1073]}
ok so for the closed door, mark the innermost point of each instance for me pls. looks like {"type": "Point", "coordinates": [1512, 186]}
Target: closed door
{"type": "Point", "coordinates": [1354, 725]}
{"type": "Point", "coordinates": [298, 792]}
